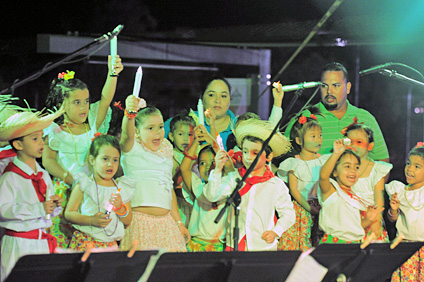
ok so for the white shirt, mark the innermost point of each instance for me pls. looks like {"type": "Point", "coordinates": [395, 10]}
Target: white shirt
{"type": "Point", "coordinates": [340, 216]}
{"type": "Point", "coordinates": [202, 217]}
{"type": "Point", "coordinates": [410, 220]}
{"type": "Point", "coordinates": [257, 209]}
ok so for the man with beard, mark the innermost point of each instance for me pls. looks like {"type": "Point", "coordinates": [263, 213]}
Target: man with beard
{"type": "Point", "coordinates": [334, 112]}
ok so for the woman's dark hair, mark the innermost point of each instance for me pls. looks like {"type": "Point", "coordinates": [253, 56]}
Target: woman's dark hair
{"type": "Point", "coordinates": [217, 78]}
{"type": "Point", "coordinates": [59, 90]}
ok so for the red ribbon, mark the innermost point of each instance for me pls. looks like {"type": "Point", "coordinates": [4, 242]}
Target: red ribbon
{"type": "Point", "coordinates": [34, 234]}
{"type": "Point", "coordinates": [7, 154]}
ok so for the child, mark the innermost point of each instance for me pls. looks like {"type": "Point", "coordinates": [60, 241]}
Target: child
{"type": "Point", "coordinates": [302, 175]}
{"type": "Point", "coordinates": [96, 206]}
{"type": "Point", "coordinates": [370, 185]}
{"type": "Point", "coordinates": [27, 202]}
{"type": "Point", "coordinates": [181, 136]}
{"type": "Point", "coordinates": [407, 210]}
{"type": "Point", "coordinates": [340, 216]}
{"type": "Point", "coordinates": [206, 234]}
{"type": "Point", "coordinates": [261, 195]}
{"type": "Point", "coordinates": [68, 140]}
{"type": "Point", "coordinates": [147, 157]}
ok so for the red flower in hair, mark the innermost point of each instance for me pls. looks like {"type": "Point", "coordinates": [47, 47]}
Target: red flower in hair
{"type": "Point", "coordinates": [355, 120]}
{"type": "Point", "coordinates": [302, 119]}
{"type": "Point", "coordinates": [313, 117]}
{"type": "Point", "coordinates": [419, 144]}
{"type": "Point", "coordinates": [96, 135]}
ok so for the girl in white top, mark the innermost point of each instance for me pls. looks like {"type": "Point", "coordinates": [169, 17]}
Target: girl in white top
{"type": "Point", "coordinates": [407, 210]}
{"type": "Point", "coordinates": [340, 216]}
{"type": "Point", "coordinates": [68, 139]}
{"type": "Point", "coordinates": [302, 175]}
{"type": "Point", "coordinates": [147, 157]}
{"type": "Point", "coordinates": [99, 206]}
{"type": "Point", "coordinates": [370, 185]}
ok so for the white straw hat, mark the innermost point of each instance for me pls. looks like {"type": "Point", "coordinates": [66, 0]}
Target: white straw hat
{"type": "Point", "coordinates": [261, 129]}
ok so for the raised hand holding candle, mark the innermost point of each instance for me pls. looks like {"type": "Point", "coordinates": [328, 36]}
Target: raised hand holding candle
{"type": "Point", "coordinates": [200, 111]}
{"type": "Point", "coordinates": [113, 50]}
{"type": "Point", "coordinates": [137, 82]}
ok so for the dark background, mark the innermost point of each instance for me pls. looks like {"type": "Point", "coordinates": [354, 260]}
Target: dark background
{"type": "Point", "coordinates": [375, 33]}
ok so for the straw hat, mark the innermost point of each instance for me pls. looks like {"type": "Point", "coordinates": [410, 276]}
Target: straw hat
{"type": "Point", "coordinates": [261, 129]}
{"type": "Point", "coordinates": [26, 122]}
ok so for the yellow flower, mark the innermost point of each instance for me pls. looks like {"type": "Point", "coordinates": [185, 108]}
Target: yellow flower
{"type": "Point", "coordinates": [69, 75]}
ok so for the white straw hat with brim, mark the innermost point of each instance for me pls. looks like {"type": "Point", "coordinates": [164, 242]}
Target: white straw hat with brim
{"type": "Point", "coordinates": [261, 129]}
{"type": "Point", "coordinates": [26, 122]}
{"type": "Point", "coordinates": [7, 109]}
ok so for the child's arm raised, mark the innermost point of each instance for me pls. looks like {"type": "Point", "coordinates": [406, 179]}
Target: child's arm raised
{"type": "Point", "coordinates": [73, 216]}
{"type": "Point", "coordinates": [132, 104]}
{"type": "Point", "coordinates": [277, 109]}
{"type": "Point", "coordinates": [187, 163]}
{"type": "Point", "coordinates": [109, 89]}
{"type": "Point", "coordinates": [327, 169]}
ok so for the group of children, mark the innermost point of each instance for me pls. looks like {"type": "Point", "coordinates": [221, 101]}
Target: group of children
{"type": "Point", "coordinates": [171, 194]}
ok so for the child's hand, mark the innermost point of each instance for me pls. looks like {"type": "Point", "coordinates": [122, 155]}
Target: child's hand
{"type": "Point", "coordinates": [116, 201]}
{"type": "Point", "coordinates": [186, 234]}
{"type": "Point", "coordinates": [220, 159]}
{"type": "Point", "coordinates": [210, 117]}
{"type": "Point", "coordinates": [133, 103]}
{"type": "Point", "coordinates": [338, 147]}
{"type": "Point", "coordinates": [201, 134]}
{"type": "Point", "coordinates": [57, 200]}
{"type": "Point", "coordinates": [117, 67]}
{"type": "Point", "coordinates": [394, 202]}
{"type": "Point", "coordinates": [269, 236]}
{"type": "Point", "coordinates": [373, 213]}
{"type": "Point", "coordinates": [278, 93]}
{"type": "Point", "coordinates": [49, 206]}
{"type": "Point", "coordinates": [100, 220]}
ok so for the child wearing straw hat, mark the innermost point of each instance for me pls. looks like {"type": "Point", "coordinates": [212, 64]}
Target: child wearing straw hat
{"type": "Point", "coordinates": [27, 202]}
{"type": "Point", "coordinates": [261, 195]}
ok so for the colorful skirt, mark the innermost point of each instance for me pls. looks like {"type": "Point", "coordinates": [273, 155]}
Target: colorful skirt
{"type": "Point", "coordinates": [61, 228]}
{"type": "Point", "coordinates": [80, 241]}
{"type": "Point", "coordinates": [298, 236]}
{"type": "Point", "coordinates": [199, 245]}
{"type": "Point", "coordinates": [329, 239]}
{"type": "Point", "coordinates": [412, 269]}
{"type": "Point", "coordinates": [153, 232]}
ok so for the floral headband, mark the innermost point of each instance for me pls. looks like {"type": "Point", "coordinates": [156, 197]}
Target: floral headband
{"type": "Point", "coordinates": [97, 134]}
{"type": "Point", "coordinates": [344, 130]}
{"type": "Point", "coordinates": [66, 75]}
{"type": "Point", "coordinates": [419, 144]}
{"type": "Point", "coordinates": [304, 119]}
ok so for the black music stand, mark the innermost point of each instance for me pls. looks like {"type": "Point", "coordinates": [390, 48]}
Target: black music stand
{"type": "Point", "coordinates": [375, 263]}
{"type": "Point", "coordinates": [225, 266]}
{"type": "Point", "coordinates": [108, 266]}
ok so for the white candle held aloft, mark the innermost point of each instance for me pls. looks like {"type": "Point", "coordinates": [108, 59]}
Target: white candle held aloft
{"type": "Point", "coordinates": [200, 112]}
{"type": "Point", "coordinates": [113, 49]}
{"type": "Point", "coordinates": [137, 82]}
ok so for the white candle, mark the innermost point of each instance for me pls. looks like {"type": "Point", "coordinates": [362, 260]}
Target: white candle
{"type": "Point", "coordinates": [200, 112]}
{"type": "Point", "coordinates": [137, 82]}
{"type": "Point", "coordinates": [219, 141]}
{"type": "Point", "coordinates": [113, 49]}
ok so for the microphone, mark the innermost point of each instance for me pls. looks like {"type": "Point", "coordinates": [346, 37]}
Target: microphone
{"type": "Point", "coordinates": [294, 87]}
{"type": "Point", "coordinates": [110, 35]}
{"type": "Point", "coordinates": [374, 69]}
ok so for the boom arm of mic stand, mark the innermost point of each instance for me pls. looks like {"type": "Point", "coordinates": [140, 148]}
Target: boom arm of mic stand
{"type": "Point", "coordinates": [49, 66]}
{"type": "Point", "coordinates": [394, 74]}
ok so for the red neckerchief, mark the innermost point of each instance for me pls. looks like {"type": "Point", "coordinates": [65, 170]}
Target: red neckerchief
{"type": "Point", "coordinates": [37, 180]}
{"type": "Point", "coordinates": [250, 181]}
{"type": "Point", "coordinates": [7, 153]}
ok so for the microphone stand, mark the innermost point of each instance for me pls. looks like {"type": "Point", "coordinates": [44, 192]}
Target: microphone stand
{"type": "Point", "coordinates": [49, 66]}
{"type": "Point", "coordinates": [235, 197]}
{"type": "Point", "coordinates": [394, 74]}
